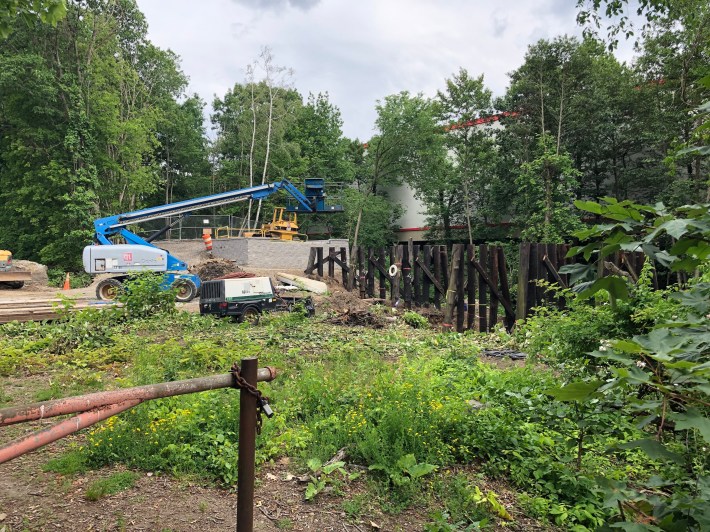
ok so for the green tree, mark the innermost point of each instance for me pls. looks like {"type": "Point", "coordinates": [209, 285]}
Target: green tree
{"type": "Point", "coordinates": [458, 188]}
{"type": "Point", "coordinates": [400, 151]}
{"type": "Point", "coordinates": [545, 187]}
{"type": "Point", "coordinates": [675, 58]}
{"type": "Point", "coordinates": [80, 106]}
{"type": "Point", "coordinates": [322, 147]}
{"type": "Point", "coordinates": [253, 145]}
{"type": "Point", "coordinates": [47, 11]}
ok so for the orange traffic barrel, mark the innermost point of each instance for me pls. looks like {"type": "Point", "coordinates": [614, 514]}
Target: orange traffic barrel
{"type": "Point", "coordinates": [208, 241]}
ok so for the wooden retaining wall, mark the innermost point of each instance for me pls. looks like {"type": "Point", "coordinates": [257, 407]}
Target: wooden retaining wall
{"type": "Point", "coordinates": [470, 283]}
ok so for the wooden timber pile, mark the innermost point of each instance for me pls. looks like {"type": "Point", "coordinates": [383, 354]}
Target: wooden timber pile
{"type": "Point", "coordinates": [40, 309]}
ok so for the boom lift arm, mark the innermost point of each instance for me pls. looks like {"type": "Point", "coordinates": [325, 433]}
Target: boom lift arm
{"type": "Point", "coordinates": [111, 258]}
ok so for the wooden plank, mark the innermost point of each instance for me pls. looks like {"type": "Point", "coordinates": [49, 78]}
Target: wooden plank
{"type": "Point", "coordinates": [319, 265]}
{"type": "Point", "coordinates": [343, 265]}
{"type": "Point", "coordinates": [425, 264]}
{"type": "Point", "coordinates": [417, 278]}
{"type": "Point", "coordinates": [541, 274]}
{"type": "Point", "coordinates": [553, 271]}
{"type": "Point", "coordinates": [531, 300]}
{"type": "Point", "coordinates": [407, 274]}
{"type": "Point", "coordinates": [444, 265]}
{"type": "Point", "coordinates": [311, 262]}
{"type": "Point", "coordinates": [460, 289]}
{"type": "Point", "coordinates": [505, 290]}
{"type": "Point", "coordinates": [482, 291]}
{"type": "Point", "coordinates": [331, 262]}
{"type": "Point", "coordinates": [344, 268]}
{"type": "Point", "coordinates": [452, 287]}
{"type": "Point", "coordinates": [361, 271]}
{"type": "Point", "coordinates": [430, 277]}
{"type": "Point", "coordinates": [523, 278]}
{"type": "Point", "coordinates": [494, 290]}
{"type": "Point", "coordinates": [493, 276]}
{"type": "Point", "coordinates": [562, 260]}
{"type": "Point", "coordinates": [396, 259]}
{"type": "Point", "coordinates": [471, 287]}
{"type": "Point", "coordinates": [371, 273]}
{"type": "Point", "coordinates": [383, 272]}
{"type": "Point", "coordinates": [436, 252]}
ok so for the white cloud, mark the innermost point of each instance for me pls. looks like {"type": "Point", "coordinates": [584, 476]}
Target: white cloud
{"type": "Point", "coordinates": [358, 52]}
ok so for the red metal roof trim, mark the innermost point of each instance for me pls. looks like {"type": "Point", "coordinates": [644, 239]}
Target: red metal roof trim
{"type": "Point", "coordinates": [481, 121]}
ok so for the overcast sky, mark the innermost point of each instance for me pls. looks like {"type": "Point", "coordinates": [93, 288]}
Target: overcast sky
{"type": "Point", "coordinates": [359, 52]}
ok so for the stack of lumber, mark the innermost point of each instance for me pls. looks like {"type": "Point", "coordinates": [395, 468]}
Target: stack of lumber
{"type": "Point", "coordinates": [38, 309]}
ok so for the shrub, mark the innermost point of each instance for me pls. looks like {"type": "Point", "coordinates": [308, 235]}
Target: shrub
{"type": "Point", "coordinates": [145, 295]}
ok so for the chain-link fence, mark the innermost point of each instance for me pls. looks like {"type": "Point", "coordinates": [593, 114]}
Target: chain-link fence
{"type": "Point", "coordinates": [220, 225]}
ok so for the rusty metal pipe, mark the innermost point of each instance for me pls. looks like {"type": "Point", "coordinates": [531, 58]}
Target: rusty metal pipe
{"type": "Point", "coordinates": [247, 448]}
{"type": "Point", "coordinates": [82, 403]}
{"type": "Point", "coordinates": [36, 440]}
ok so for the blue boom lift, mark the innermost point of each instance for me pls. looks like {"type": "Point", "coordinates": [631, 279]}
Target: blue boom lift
{"type": "Point", "coordinates": [139, 254]}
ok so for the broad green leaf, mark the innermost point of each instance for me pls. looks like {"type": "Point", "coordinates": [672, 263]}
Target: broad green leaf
{"type": "Point", "coordinates": [420, 470]}
{"type": "Point", "coordinates": [627, 346]}
{"type": "Point", "coordinates": [654, 449]}
{"type": "Point", "coordinates": [314, 464]}
{"type": "Point", "coordinates": [406, 461]}
{"type": "Point", "coordinates": [589, 206]}
{"type": "Point", "coordinates": [575, 391]}
{"type": "Point", "coordinates": [616, 286]}
{"type": "Point", "coordinates": [692, 419]}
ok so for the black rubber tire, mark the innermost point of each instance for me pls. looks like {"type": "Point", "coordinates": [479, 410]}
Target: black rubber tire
{"type": "Point", "coordinates": [186, 290]}
{"type": "Point", "coordinates": [108, 289]}
{"type": "Point", "coordinates": [251, 315]}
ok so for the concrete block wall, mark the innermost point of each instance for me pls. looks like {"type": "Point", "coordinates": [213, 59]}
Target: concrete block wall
{"type": "Point", "coordinates": [251, 252]}
{"type": "Point", "coordinates": [267, 253]}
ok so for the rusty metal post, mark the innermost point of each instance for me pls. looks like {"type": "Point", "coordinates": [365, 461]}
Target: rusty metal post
{"type": "Point", "coordinates": [101, 405]}
{"type": "Point", "coordinates": [247, 449]}
{"type": "Point", "coordinates": [81, 403]}
{"type": "Point", "coordinates": [36, 440]}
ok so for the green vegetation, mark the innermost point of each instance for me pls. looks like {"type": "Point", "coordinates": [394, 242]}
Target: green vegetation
{"type": "Point", "coordinates": [110, 485]}
{"type": "Point", "coordinates": [578, 123]}
{"type": "Point", "coordinates": [611, 430]}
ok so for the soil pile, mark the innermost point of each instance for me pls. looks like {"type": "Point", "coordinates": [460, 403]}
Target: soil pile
{"type": "Point", "coordinates": [38, 272]}
{"type": "Point", "coordinates": [364, 318]}
{"type": "Point", "coordinates": [214, 268]}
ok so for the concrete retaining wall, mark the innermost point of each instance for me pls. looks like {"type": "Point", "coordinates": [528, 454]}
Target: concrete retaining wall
{"type": "Point", "coordinates": [266, 253]}
{"type": "Point", "coordinates": [251, 252]}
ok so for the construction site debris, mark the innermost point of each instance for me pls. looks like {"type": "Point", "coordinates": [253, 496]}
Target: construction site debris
{"type": "Point", "coordinates": [310, 285]}
{"type": "Point", "coordinates": [236, 275]}
{"type": "Point", "coordinates": [502, 353]}
{"type": "Point", "coordinates": [363, 318]}
{"type": "Point", "coordinates": [214, 268]}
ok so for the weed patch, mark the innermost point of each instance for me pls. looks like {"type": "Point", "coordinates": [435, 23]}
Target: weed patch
{"type": "Point", "coordinates": [110, 485]}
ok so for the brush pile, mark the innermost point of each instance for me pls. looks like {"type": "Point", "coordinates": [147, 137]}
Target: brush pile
{"type": "Point", "coordinates": [215, 268]}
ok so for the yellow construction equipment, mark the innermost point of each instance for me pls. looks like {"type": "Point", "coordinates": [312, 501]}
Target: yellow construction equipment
{"type": "Point", "coordinates": [10, 275]}
{"type": "Point", "coordinates": [280, 228]}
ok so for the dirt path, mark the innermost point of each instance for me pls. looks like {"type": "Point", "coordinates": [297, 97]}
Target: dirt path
{"type": "Point", "coordinates": [31, 499]}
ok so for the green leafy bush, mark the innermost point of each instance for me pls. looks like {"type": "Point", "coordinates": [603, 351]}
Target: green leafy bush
{"type": "Point", "coordinates": [415, 320]}
{"type": "Point", "coordinates": [144, 295]}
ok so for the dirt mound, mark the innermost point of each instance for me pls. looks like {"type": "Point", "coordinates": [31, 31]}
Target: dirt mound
{"type": "Point", "coordinates": [214, 268]}
{"type": "Point", "coordinates": [38, 272]}
{"type": "Point", "coordinates": [364, 318]}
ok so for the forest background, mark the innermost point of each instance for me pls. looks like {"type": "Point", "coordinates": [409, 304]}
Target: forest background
{"type": "Point", "coordinates": [94, 120]}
